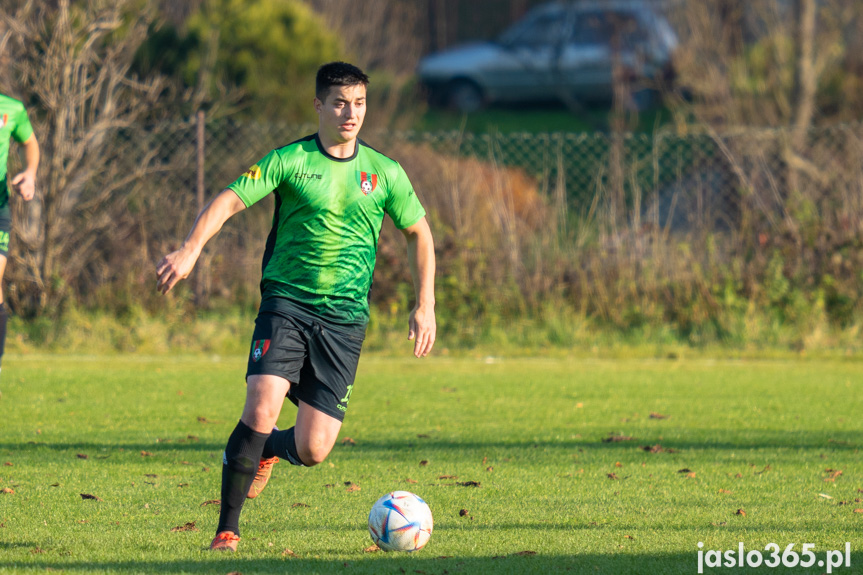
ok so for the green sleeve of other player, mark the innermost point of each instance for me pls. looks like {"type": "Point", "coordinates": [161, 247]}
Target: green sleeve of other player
{"type": "Point", "coordinates": [402, 203]}
{"type": "Point", "coordinates": [261, 179]}
{"type": "Point", "coordinates": [23, 129]}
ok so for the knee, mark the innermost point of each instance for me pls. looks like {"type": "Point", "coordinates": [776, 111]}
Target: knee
{"type": "Point", "coordinates": [313, 453]}
{"type": "Point", "coordinates": [261, 417]}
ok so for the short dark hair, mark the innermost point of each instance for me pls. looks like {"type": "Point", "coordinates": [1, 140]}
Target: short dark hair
{"type": "Point", "coordinates": [337, 74]}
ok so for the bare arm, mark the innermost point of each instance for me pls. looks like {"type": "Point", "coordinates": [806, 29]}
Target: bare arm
{"type": "Point", "coordinates": [421, 258]}
{"type": "Point", "coordinates": [179, 264]}
{"type": "Point", "coordinates": [26, 180]}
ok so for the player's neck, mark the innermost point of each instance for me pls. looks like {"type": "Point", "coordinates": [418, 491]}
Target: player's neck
{"type": "Point", "coordinates": [337, 149]}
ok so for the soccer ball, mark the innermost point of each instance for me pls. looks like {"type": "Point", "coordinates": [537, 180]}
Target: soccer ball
{"type": "Point", "coordinates": [400, 521]}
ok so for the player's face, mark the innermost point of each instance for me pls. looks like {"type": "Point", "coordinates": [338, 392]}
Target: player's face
{"type": "Point", "coordinates": [342, 112]}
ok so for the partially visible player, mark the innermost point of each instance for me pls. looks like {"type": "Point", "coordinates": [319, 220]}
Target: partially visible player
{"type": "Point", "coordinates": [14, 124]}
{"type": "Point", "coordinates": [332, 191]}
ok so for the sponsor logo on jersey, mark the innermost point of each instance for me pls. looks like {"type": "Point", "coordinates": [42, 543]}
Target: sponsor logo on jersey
{"type": "Point", "coordinates": [308, 176]}
{"type": "Point", "coordinates": [259, 348]}
{"type": "Point", "coordinates": [254, 172]}
{"type": "Point", "coordinates": [368, 182]}
{"type": "Point", "coordinates": [3, 121]}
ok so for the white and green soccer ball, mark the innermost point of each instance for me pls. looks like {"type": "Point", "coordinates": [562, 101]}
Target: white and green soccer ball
{"type": "Point", "coordinates": [400, 521]}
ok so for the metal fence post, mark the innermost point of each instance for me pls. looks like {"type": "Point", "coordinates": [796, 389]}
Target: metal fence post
{"type": "Point", "coordinates": [201, 276]}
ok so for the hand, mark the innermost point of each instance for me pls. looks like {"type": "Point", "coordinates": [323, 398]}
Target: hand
{"type": "Point", "coordinates": [174, 267]}
{"type": "Point", "coordinates": [422, 326]}
{"type": "Point", "coordinates": [26, 184]}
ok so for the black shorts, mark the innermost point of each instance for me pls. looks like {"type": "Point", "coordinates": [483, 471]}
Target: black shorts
{"type": "Point", "coordinates": [5, 230]}
{"type": "Point", "coordinates": [319, 360]}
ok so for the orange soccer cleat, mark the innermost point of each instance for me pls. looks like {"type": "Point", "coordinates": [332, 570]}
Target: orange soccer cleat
{"type": "Point", "coordinates": [225, 541]}
{"type": "Point", "coordinates": [265, 469]}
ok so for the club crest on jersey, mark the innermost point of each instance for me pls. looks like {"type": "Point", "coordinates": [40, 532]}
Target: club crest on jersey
{"type": "Point", "coordinates": [3, 121]}
{"type": "Point", "coordinates": [259, 348]}
{"type": "Point", "coordinates": [368, 182]}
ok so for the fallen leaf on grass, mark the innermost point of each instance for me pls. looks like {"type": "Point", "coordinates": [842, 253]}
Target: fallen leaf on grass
{"type": "Point", "coordinates": [824, 495]}
{"type": "Point", "coordinates": [615, 438]}
{"type": "Point", "coordinates": [288, 553]}
{"type": "Point", "coordinates": [146, 454]}
{"type": "Point", "coordinates": [37, 550]}
{"type": "Point", "coordinates": [424, 462]}
{"type": "Point", "coordinates": [469, 483]}
{"type": "Point", "coordinates": [448, 477]}
{"type": "Point", "coordinates": [205, 420]}
{"type": "Point", "coordinates": [858, 511]}
{"type": "Point", "coordinates": [182, 485]}
{"type": "Point", "coordinates": [353, 487]}
{"type": "Point", "coordinates": [657, 449]}
{"type": "Point", "coordinates": [295, 505]}
{"type": "Point", "coordinates": [740, 512]}
{"type": "Point", "coordinates": [725, 491]}
{"type": "Point", "coordinates": [489, 468]}
{"type": "Point", "coordinates": [7, 490]}
{"type": "Point", "coordinates": [79, 456]}
{"type": "Point", "coordinates": [765, 470]}
{"type": "Point", "coordinates": [55, 485]}
{"type": "Point", "coordinates": [525, 553]}
{"type": "Point", "coordinates": [8, 464]}
{"type": "Point", "coordinates": [212, 502]}
{"type": "Point", "coordinates": [684, 470]}
{"type": "Point", "coordinates": [187, 527]}
{"type": "Point", "coordinates": [88, 496]}
{"type": "Point", "coordinates": [629, 537]}
{"type": "Point", "coordinates": [834, 473]}
{"type": "Point", "coordinates": [422, 435]}
{"type": "Point", "coordinates": [409, 480]}
{"type": "Point", "coordinates": [654, 415]}
{"type": "Point", "coordinates": [348, 441]}
{"type": "Point", "coordinates": [462, 512]}
{"type": "Point", "coordinates": [691, 475]}
{"type": "Point", "coordinates": [612, 476]}
{"type": "Point", "coordinates": [151, 475]}
{"type": "Point", "coordinates": [371, 549]}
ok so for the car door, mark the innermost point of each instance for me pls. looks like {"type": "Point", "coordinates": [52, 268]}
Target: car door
{"type": "Point", "coordinates": [599, 39]}
{"type": "Point", "coordinates": [528, 50]}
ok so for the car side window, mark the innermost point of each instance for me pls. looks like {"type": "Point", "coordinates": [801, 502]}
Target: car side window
{"type": "Point", "coordinates": [544, 30]}
{"type": "Point", "coordinates": [604, 28]}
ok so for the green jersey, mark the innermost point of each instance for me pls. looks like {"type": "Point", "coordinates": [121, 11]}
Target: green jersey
{"type": "Point", "coordinates": [320, 254]}
{"type": "Point", "coordinates": [13, 124]}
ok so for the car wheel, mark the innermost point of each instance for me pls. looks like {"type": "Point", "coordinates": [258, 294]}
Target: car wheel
{"type": "Point", "coordinates": [465, 96]}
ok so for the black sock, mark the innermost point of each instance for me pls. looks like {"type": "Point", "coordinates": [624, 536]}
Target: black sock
{"type": "Point", "coordinates": [3, 318]}
{"type": "Point", "coordinates": [283, 444]}
{"type": "Point", "coordinates": [239, 464]}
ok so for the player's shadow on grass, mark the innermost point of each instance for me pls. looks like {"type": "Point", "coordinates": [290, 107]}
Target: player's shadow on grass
{"type": "Point", "coordinates": [427, 561]}
{"type": "Point", "coordinates": [844, 441]}
{"type": "Point", "coordinates": [96, 450]}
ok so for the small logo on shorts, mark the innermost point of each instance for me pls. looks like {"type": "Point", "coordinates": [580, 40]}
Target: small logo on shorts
{"type": "Point", "coordinates": [346, 398]}
{"type": "Point", "coordinates": [259, 348]}
{"type": "Point", "coordinates": [4, 120]}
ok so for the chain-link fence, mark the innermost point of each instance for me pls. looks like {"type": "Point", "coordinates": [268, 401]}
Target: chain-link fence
{"type": "Point", "coordinates": [692, 183]}
{"type": "Point", "coordinates": [534, 212]}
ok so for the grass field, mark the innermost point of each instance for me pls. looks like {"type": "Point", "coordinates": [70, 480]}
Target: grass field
{"type": "Point", "coordinates": [144, 436]}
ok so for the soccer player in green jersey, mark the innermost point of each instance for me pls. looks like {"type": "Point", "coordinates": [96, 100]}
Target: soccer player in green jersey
{"type": "Point", "coordinates": [14, 124]}
{"type": "Point", "coordinates": [332, 191]}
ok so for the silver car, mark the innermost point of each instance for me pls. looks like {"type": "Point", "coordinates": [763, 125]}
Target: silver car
{"type": "Point", "coordinates": [560, 51]}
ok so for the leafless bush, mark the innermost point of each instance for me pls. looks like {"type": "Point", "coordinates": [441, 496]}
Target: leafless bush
{"type": "Point", "coordinates": [74, 60]}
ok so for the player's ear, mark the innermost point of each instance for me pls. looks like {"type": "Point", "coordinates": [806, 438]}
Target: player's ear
{"type": "Point", "coordinates": [318, 105]}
